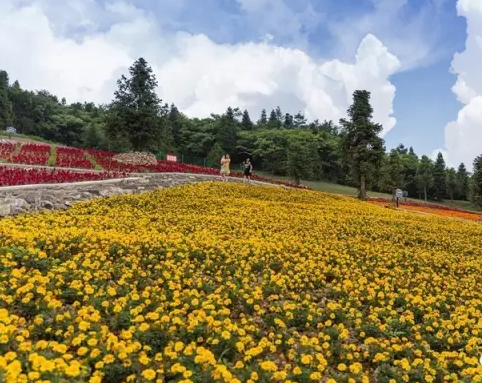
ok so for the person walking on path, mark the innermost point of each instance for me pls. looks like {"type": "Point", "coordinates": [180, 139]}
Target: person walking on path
{"type": "Point", "coordinates": [248, 171]}
{"type": "Point", "coordinates": [225, 162]}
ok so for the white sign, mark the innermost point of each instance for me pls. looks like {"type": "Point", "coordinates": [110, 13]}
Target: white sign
{"type": "Point", "coordinates": [11, 129]}
{"type": "Point", "coordinates": [398, 193]}
{"type": "Point", "coordinates": [171, 157]}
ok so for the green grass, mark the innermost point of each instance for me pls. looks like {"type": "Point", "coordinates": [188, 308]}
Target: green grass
{"type": "Point", "coordinates": [328, 187]}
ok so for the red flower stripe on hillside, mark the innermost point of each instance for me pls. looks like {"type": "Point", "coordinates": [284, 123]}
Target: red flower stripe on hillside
{"type": "Point", "coordinates": [72, 158]}
{"type": "Point", "coordinates": [6, 150]}
{"type": "Point", "coordinates": [20, 176]}
{"type": "Point", "coordinates": [32, 154]}
{"type": "Point", "coordinates": [424, 205]}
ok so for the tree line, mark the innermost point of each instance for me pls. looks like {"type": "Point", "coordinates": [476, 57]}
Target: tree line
{"type": "Point", "coordinates": [348, 152]}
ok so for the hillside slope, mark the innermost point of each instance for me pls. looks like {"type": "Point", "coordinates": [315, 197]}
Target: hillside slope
{"type": "Point", "coordinates": [227, 283]}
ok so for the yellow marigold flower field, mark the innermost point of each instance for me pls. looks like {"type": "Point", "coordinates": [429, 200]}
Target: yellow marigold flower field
{"type": "Point", "coordinates": [227, 283]}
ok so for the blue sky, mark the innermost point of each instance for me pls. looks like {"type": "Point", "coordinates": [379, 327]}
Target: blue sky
{"type": "Point", "coordinates": [304, 55]}
{"type": "Point", "coordinates": [424, 102]}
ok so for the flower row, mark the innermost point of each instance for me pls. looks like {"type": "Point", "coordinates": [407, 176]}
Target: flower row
{"type": "Point", "coordinates": [20, 176]}
{"type": "Point", "coordinates": [422, 204]}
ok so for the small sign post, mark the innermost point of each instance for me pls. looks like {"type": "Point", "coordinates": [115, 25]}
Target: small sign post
{"type": "Point", "coordinates": [398, 195]}
{"type": "Point", "coordinates": [11, 130]}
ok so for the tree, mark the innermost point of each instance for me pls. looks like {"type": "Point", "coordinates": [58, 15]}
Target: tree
{"type": "Point", "coordinates": [214, 156]}
{"type": "Point", "coordinates": [477, 180]}
{"type": "Point", "coordinates": [299, 120]}
{"type": "Point", "coordinates": [439, 178]}
{"type": "Point", "coordinates": [424, 176]}
{"type": "Point", "coordinates": [361, 145]}
{"type": "Point", "coordinates": [300, 162]}
{"type": "Point", "coordinates": [246, 123]}
{"type": "Point", "coordinates": [134, 114]}
{"type": "Point", "coordinates": [175, 120]}
{"type": "Point", "coordinates": [263, 120]}
{"type": "Point", "coordinates": [6, 111]}
{"type": "Point", "coordinates": [288, 122]}
{"type": "Point", "coordinates": [392, 176]}
{"type": "Point", "coordinates": [451, 183]}
{"type": "Point", "coordinates": [227, 132]}
{"type": "Point", "coordinates": [279, 115]}
{"type": "Point", "coordinates": [274, 122]}
{"type": "Point", "coordinates": [462, 191]}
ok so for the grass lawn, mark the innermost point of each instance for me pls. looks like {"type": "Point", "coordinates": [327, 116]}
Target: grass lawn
{"type": "Point", "coordinates": [328, 187]}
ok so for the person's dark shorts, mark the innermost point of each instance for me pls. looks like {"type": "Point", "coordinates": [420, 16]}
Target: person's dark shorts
{"type": "Point", "coordinates": [247, 173]}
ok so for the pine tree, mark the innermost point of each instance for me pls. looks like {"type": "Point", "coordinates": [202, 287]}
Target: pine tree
{"type": "Point", "coordinates": [362, 147]}
{"type": "Point", "coordinates": [299, 120]}
{"type": "Point", "coordinates": [246, 123]}
{"type": "Point", "coordinates": [227, 132]}
{"type": "Point", "coordinates": [392, 172]}
{"type": "Point", "coordinates": [451, 183]}
{"type": "Point", "coordinates": [288, 122]}
{"type": "Point", "coordinates": [134, 114]}
{"type": "Point", "coordinates": [175, 120]}
{"type": "Point", "coordinates": [6, 110]}
{"type": "Point", "coordinates": [274, 122]}
{"type": "Point", "coordinates": [462, 191]}
{"type": "Point", "coordinates": [439, 178]}
{"type": "Point", "coordinates": [279, 115]}
{"type": "Point", "coordinates": [477, 179]}
{"type": "Point", "coordinates": [263, 120]}
{"type": "Point", "coordinates": [424, 176]}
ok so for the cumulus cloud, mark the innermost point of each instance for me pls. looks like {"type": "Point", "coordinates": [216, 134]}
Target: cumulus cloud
{"type": "Point", "coordinates": [194, 72]}
{"type": "Point", "coordinates": [463, 137]}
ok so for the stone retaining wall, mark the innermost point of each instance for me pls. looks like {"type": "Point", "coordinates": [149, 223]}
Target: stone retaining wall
{"type": "Point", "coordinates": [31, 198]}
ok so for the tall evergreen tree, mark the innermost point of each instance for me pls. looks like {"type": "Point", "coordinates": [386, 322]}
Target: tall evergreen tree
{"type": "Point", "coordinates": [175, 120]}
{"type": "Point", "coordinates": [362, 146]}
{"type": "Point", "coordinates": [227, 132]}
{"type": "Point", "coordinates": [477, 181]}
{"type": "Point", "coordinates": [451, 183]}
{"type": "Point", "coordinates": [299, 120]}
{"type": "Point", "coordinates": [462, 191]}
{"type": "Point", "coordinates": [263, 120]}
{"type": "Point", "coordinates": [6, 111]}
{"type": "Point", "coordinates": [410, 164]}
{"type": "Point", "coordinates": [288, 121]}
{"type": "Point", "coordinates": [439, 178]}
{"type": "Point", "coordinates": [279, 115]}
{"type": "Point", "coordinates": [246, 123]}
{"type": "Point", "coordinates": [392, 176]}
{"type": "Point", "coordinates": [424, 176]}
{"type": "Point", "coordinates": [134, 114]}
{"type": "Point", "coordinates": [274, 122]}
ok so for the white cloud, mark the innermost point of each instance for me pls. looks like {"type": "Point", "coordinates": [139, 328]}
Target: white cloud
{"type": "Point", "coordinates": [463, 137]}
{"type": "Point", "coordinates": [195, 73]}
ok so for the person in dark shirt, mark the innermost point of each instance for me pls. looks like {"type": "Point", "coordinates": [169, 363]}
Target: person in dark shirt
{"type": "Point", "coordinates": [248, 170]}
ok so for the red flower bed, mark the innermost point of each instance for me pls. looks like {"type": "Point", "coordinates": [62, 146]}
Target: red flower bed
{"type": "Point", "coordinates": [19, 176]}
{"type": "Point", "coordinates": [424, 205]}
{"type": "Point", "coordinates": [6, 150]}
{"type": "Point", "coordinates": [32, 154]}
{"type": "Point", "coordinates": [72, 158]}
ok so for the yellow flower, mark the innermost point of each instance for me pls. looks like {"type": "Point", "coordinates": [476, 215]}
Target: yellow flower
{"type": "Point", "coordinates": [268, 366]}
{"type": "Point", "coordinates": [316, 376]}
{"type": "Point", "coordinates": [73, 370]}
{"type": "Point", "coordinates": [149, 374]}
